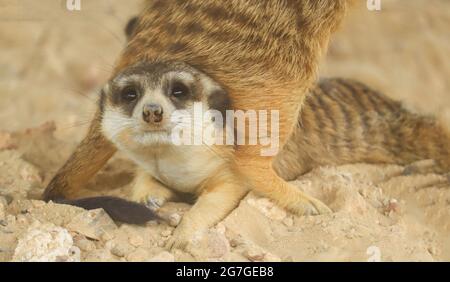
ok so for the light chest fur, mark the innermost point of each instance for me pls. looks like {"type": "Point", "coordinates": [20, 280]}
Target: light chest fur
{"type": "Point", "coordinates": [182, 168]}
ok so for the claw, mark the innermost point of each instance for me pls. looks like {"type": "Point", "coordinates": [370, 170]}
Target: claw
{"type": "Point", "coordinates": [154, 203]}
{"type": "Point", "coordinates": [177, 242]}
{"type": "Point", "coordinates": [310, 207]}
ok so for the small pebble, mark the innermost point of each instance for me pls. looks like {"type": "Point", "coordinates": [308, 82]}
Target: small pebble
{"type": "Point", "coordinates": [139, 255]}
{"type": "Point", "coordinates": [106, 236]}
{"type": "Point", "coordinates": [122, 249]}
{"type": "Point", "coordinates": [254, 255]}
{"type": "Point", "coordinates": [174, 219]}
{"type": "Point", "coordinates": [136, 240]}
{"type": "Point", "coordinates": [163, 257]}
{"type": "Point", "coordinates": [288, 221]}
{"type": "Point", "coordinates": [166, 233]}
{"type": "Point", "coordinates": [85, 244]}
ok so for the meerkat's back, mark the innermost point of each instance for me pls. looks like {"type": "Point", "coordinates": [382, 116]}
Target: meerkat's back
{"type": "Point", "coordinates": [344, 121]}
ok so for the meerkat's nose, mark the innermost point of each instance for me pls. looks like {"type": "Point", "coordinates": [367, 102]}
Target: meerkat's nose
{"type": "Point", "coordinates": [152, 113]}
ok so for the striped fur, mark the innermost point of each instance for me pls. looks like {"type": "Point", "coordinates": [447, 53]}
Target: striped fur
{"type": "Point", "coordinates": [266, 55]}
{"type": "Point", "coordinates": [343, 121]}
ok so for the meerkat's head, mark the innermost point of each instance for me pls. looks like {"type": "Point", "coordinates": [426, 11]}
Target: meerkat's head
{"type": "Point", "coordinates": [139, 103]}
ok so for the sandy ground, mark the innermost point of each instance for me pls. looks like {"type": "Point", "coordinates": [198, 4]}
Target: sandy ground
{"type": "Point", "coordinates": [53, 61]}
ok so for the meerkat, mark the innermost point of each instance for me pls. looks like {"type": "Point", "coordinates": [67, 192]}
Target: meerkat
{"type": "Point", "coordinates": [266, 54]}
{"type": "Point", "coordinates": [138, 117]}
{"type": "Point", "coordinates": [342, 121]}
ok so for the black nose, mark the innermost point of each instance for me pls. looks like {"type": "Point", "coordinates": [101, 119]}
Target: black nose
{"type": "Point", "coordinates": [152, 113]}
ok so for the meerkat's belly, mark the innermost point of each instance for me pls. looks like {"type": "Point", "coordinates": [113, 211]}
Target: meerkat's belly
{"type": "Point", "coordinates": [182, 168]}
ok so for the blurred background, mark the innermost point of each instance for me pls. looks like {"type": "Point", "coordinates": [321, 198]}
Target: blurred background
{"type": "Point", "coordinates": [53, 60]}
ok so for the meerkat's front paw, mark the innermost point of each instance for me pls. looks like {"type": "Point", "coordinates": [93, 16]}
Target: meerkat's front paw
{"type": "Point", "coordinates": [154, 203]}
{"type": "Point", "coordinates": [154, 199]}
{"type": "Point", "coordinates": [309, 206]}
{"type": "Point", "coordinates": [182, 237]}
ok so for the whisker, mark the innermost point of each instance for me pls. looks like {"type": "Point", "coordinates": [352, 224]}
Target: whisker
{"type": "Point", "coordinates": [88, 97]}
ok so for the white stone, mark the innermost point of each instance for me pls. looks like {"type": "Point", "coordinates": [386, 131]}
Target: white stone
{"type": "Point", "coordinates": [174, 219]}
{"type": "Point", "coordinates": [46, 243]}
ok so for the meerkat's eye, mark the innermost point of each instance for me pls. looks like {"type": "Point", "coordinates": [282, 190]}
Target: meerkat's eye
{"type": "Point", "coordinates": [129, 94]}
{"type": "Point", "coordinates": [179, 90]}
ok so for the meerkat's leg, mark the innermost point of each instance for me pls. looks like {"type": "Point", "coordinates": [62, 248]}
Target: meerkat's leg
{"type": "Point", "coordinates": [260, 170]}
{"type": "Point", "coordinates": [268, 183]}
{"type": "Point", "coordinates": [149, 191]}
{"type": "Point", "coordinates": [89, 157]}
{"type": "Point", "coordinates": [221, 194]}
{"type": "Point", "coordinates": [287, 195]}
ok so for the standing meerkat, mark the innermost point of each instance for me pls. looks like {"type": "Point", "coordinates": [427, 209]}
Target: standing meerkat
{"type": "Point", "coordinates": [266, 54]}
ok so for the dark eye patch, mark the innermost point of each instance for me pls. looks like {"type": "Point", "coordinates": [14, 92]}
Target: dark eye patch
{"type": "Point", "coordinates": [219, 100]}
{"type": "Point", "coordinates": [179, 90]}
{"type": "Point", "coordinates": [129, 94]}
{"type": "Point", "coordinates": [180, 93]}
{"type": "Point", "coordinates": [101, 101]}
{"type": "Point", "coordinates": [127, 97]}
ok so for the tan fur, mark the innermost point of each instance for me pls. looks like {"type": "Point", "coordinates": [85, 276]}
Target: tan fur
{"type": "Point", "coordinates": [148, 188]}
{"type": "Point", "coordinates": [89, 157]}
{"type": "Point", "coordinates": [264, 52]}
{"type": "Point", "coordinates": [166, 167]}
{"type": "Point", "coordinates": [219, 195]}
{"type": "Point", "coordinates": [251, 52]}
{"type": "Point", "coordinates": [343, 121]}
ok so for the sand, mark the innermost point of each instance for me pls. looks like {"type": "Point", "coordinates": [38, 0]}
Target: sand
{"type": "Point", "coordinates": [53, 62]}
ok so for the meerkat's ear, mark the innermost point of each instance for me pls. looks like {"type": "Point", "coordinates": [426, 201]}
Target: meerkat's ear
{"type": "Point", "coordinates": [219, 100]}
{"type": "Point", "coordinates": [131, 27]}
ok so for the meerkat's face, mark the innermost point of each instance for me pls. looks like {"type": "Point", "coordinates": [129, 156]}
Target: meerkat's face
{"type": "Point", "coordinates": [138, 105]}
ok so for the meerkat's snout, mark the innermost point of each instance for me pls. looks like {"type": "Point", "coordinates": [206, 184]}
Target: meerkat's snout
{"type": "Point", "coordinates": [152, 113]}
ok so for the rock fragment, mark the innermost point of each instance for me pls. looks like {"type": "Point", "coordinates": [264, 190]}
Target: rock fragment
{"type": "Point", "coordinates": [84, 244]}
{"type": "Point", "coordinates": [210, 245]}
{"type": "Point", "coordinates": [136, 240]}
{"type": "Point", "coordinates": [46, 243]}
{"type": "Point", "coordinates": [163, 257]}
{"type": "Point", "coordinates": [174, 219]}
{"type": "Point", "coordinates": [94, 224]}
{"type": "Point", "coordinates": [139, 255]}
{"type": "Point", "coordinates": [255, 253]}
{"type": "Point", "coordinates": [121, 248]}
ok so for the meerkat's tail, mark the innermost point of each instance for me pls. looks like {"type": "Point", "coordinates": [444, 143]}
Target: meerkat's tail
{"type": "Point", "coordinates": [343, 121]}
{"type": "Point", "coordinates": [374, 128]}
{"type": "Point", "coordinates": [117, 208]}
